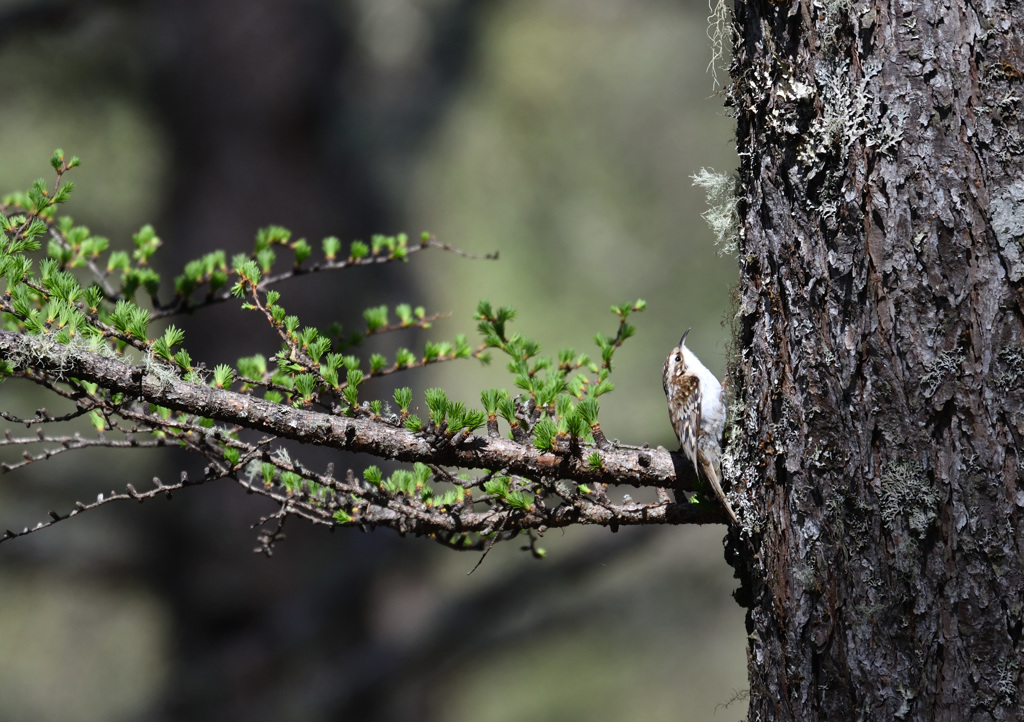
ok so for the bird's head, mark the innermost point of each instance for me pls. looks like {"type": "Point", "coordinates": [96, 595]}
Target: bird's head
{"type": "Point", "coordinates": [676, 363]}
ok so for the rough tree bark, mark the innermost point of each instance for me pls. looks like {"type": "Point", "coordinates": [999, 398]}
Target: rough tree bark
{"type": "Point", "coordinates": [881, 387]}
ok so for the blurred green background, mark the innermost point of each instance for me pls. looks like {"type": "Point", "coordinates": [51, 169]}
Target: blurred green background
{"type": "Point", "coordinates": [562, 134]}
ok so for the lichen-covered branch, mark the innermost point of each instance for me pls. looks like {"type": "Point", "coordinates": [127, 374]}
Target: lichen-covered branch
{"type": "Point", "coordinates": [70, 323]}
{"type": "Point", "coordinates": [541, 489]}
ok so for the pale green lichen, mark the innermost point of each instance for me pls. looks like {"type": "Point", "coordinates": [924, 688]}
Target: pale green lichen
{"type": "Point", "coordinates": [46, 348]}
{"type": "Point", "coordinates": [945, 365]}
{"type": "Point", "coordinates": [1007, 209]}
{"type": "Point", "coordinates": [719, 24]}
{"type": "Point", "coordinates": [722, 215]}
{"type": "Point", "coordinates": [161, 371]}
{"type": "Point", "coordinates": [1006, 683]}
{"type": "Point", "coordinates": [1013, 362]}
{"type": "Point", "coordinates": [833, 13]}
{"type": "Point", "coordinates": [737, 469]}
{"type": "Point", "coordinates": [844, 121]}
{"type": "Point", "coordinates": [906, 493]}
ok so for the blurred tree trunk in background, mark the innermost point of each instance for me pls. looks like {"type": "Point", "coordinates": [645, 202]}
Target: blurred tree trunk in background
{"type": "Point", "coordinates": [282, 112]}
{"type": "Point", "coordinates": [881, 310]}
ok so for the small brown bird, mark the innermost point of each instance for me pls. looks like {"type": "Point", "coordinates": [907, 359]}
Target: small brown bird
{"type": "Point", "coordinates": [697, 412]}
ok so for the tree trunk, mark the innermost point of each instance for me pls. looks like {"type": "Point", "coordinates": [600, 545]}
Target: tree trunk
{"type": "Point", "coordinates": [880, 394]}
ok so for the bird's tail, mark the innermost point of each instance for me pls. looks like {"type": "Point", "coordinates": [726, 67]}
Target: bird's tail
{"type": "Point", "coordinates": [711, 471]}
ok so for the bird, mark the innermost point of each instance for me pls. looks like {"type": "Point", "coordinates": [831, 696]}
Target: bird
{"type": "Point", "coordinates": [696, 409]}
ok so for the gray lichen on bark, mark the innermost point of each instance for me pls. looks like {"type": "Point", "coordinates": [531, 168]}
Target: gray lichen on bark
{"type": "Point", "coordinates": [1007, 208]}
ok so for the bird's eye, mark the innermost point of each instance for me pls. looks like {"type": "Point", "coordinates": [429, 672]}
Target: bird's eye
{"type": "Point", "coordinates": [678, 358]}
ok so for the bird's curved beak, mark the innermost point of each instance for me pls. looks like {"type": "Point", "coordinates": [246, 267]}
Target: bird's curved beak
{"type": "Point", "coordinates": [683, 339]}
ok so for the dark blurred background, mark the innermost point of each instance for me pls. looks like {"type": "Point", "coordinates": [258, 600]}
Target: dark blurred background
{"type": "Point", "coordinates": [562, 133]}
